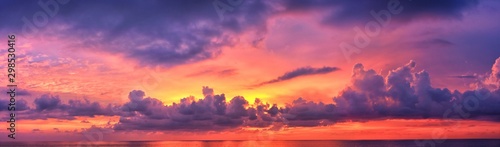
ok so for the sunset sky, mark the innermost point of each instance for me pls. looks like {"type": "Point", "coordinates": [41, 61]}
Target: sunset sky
{"type": "Point", "coordinates": [253, 69]}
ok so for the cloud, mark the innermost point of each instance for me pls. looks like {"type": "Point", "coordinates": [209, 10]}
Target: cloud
{"type": "Point", "coordinates": [402, 94]}
{"type": "Point", "coordinates": [20, 104]}
{"type": "Point", "coordinates": [47, 102]}
{"type": "Point", "coordinates": [19, 92]}
{"type": "Point", "coordinates": [465, 76]}
{"type": "Point", "coordinates": [219, 73]}
{"type": "Point", "coordinates": [495, 73]}
{"type": "Point", "coordinates": [147, 107]}
{"type": "Point", "coordinates": [49, 106]}
{"type": "Point", "coordinates": [308, 113]}
{"type": "Point", "coordinates": [344, 13]}
{"type": "Point", "coordinates": [170, 33]}
{"type": "Point", "coordinates": [237, 107]}
{"type": "Point", "coordinates": [212, 112]}
{"type": "Point", "coordinates": [303, 71]}
{"type": "Point", "coordinates": [491, 80]}
{"type": "Point", "coordinates": [87, 108]}
{"type": "Point", "coordinates": [151, 33]}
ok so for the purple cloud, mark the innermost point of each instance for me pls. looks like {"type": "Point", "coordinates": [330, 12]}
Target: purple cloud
{"type": "Point", "coordinates": [402, 94]}
{"type": "Point", "coordinates": [154, 33]}
{"type": "Point", "coordinates": [303, 71]}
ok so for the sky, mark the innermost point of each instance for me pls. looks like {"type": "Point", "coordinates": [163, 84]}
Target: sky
{"type": "Point", "coordinates": [112, 70]}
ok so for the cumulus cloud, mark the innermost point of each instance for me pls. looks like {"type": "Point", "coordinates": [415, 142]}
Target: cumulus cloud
{"type": "Point", "coordinates": [490, 80]}
{"type": "Point", "coordinates": [211, 112]}
{"type": "Point", "coordinates": [303, 71]}
{"type": "Point", "coordinates": [87, 108]}
{"type": "Point", "coordinates": [402, 94]}
{"type": "Point", "coordinates": [495, 73]}
{"type": "Point", "coordinates": [47, 102]}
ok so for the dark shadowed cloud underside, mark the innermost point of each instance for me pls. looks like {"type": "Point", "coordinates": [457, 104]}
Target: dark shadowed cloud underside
{"type": "Point", "coordinates": [169, 33]}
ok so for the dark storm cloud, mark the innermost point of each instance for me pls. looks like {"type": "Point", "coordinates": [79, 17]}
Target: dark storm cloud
{"type": "Point", "coordinates": [303, 71]}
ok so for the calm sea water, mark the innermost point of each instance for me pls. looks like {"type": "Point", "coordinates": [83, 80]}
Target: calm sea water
{"type": "Point", "coordinates": [336, 143]}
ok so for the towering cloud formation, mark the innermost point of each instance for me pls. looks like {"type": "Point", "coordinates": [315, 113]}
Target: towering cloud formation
{"type": "Point", "coordinates": [495, 73]}
{"type": "Point", "coordinates": [402, 94]}
{"type": "Point", "coordinates": [491, 80]}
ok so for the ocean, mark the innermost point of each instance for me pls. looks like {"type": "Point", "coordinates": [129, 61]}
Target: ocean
{"type": "Point", "coordinates": [277, 143]}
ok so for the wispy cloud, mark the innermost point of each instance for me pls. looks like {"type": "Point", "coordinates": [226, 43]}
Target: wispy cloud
{"type": "Point", "coordinates": [219, 73]}
{"type": "Point", "coordinates": [303, 71]}
{"type": "Point", "coordinates": [465, 76]}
